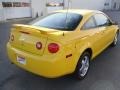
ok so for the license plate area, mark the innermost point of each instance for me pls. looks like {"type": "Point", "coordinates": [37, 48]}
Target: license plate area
{"type": "Point", "coordinates": [21, 60]}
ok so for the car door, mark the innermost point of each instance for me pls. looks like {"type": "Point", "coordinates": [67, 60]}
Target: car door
{"type": "Point", "coordinates": [106, 27]}
{"type": "Point", "coordinates": [94, 35]}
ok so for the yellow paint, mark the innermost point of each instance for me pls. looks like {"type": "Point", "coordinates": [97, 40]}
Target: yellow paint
{"type": "Point", "coordinates": [46, 64]}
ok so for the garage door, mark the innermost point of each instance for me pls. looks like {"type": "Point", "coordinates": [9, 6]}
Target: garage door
{"type": "Point", "coordinates": [16, 9]}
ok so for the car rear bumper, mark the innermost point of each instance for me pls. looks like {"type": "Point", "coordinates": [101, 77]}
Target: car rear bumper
{"type": "Point", "coordinates": [41, 65]}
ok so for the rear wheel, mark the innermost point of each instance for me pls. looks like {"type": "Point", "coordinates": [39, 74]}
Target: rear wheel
{"type": "Point", "coordinates": [115, 40]}
{"type": "Point", "coordinates": [83, 66]}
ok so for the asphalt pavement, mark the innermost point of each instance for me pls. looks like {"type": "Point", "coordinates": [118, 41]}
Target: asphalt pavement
{"type": "Point", "coordinates": [104, 73]}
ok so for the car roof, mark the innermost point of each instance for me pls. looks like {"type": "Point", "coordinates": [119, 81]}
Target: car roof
{"type": "Point", "coordinates": [80, 11]}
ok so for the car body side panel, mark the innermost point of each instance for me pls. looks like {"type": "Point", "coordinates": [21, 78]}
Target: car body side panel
{"type": "Point", "coordinates": [109, 34]}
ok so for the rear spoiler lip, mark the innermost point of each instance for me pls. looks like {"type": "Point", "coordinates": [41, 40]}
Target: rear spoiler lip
{"type": "Point", "coordinates": [40, 29]}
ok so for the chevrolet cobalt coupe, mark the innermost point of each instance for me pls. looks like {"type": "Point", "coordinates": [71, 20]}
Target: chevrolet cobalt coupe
{"type": "Point", "coordinates": [61, 43]}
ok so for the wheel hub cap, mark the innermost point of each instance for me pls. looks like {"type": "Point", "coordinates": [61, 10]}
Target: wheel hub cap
{"type": "Point", "coordinates": [84, 66]}
{"type": "Point", "coordinates": [115, 40]}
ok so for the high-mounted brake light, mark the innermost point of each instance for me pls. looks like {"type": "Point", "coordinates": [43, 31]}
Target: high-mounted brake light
{"type": "Point", "coordinates": [53, 47]}
{"type": "Point", "coordinates": [39, 45]}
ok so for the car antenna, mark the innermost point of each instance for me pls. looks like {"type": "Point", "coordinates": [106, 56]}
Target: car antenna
{"type": "Point", "coordinates": [66, 15]}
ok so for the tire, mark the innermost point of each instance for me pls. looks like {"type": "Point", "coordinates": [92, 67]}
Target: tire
{"type": "Point", "coordinates": [114, 43]}
{"type": "Point", "coordinates": [83, 66]}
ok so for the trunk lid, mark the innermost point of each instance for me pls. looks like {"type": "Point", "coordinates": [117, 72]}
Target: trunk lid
{"type": "Point", "coordinates": [26, 37]}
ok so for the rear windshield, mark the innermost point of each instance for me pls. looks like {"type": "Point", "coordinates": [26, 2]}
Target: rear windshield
{"type": "Point", "coordinates": [61, 21]}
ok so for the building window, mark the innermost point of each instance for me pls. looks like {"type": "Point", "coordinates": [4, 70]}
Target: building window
{"type": "Point", "coordinates": [24, 4]}
{"type": "Point", "coordinates": [7, 4]}
{"type": "Point", "coordinates": [106, 4]}
{"type": "Point", "coordinates": [16, 4]}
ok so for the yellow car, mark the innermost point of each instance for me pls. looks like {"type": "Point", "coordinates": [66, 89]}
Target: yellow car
{"type": "Point", "coordinates": [61, 43]}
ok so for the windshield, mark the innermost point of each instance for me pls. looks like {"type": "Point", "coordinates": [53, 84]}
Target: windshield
{"type": "Point", "coordinates": [61, 21]}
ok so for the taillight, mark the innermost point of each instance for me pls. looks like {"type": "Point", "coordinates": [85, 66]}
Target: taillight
{"type": "Point", "coordinates": [39, 45]}
{"type": "Point", "coordinates": [12, 38]}
{"type": "Point", "coordinates": [53, 47]}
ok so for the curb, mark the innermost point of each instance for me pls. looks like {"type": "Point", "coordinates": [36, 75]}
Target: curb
{"type": "Point", "coordinates": [17, 20]}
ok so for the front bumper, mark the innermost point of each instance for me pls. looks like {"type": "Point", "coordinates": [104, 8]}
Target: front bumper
{"type": "Point", "coordinates": [41, 65]}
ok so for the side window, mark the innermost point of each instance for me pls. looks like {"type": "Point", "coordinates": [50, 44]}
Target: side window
{"type": "Point", "coordinates": [101, 20]}
{"type": "Point", "coordinates": [89, 24]}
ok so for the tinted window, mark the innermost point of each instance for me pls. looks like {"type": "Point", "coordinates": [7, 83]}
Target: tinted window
{"type": "Point", "coordinates": [101, 20]}
{"type": "Point", "coordinates": [89, 24]}
{"type": "Point", "coordinates": [59, 21]}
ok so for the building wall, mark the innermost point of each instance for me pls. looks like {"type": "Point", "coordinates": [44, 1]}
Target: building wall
{"type": "Point", "coordinates": [115, 5]}
{"type": "Point", "coordinates": [38, 7]}
{"type": "Point", "coordinates": [14, 11]}
{"type": "Point", "coordinates": [1, 13]}
{"type": "Point", "coordinates": [112, 5]}
{"type": "Point", "coordinates": [52, 9]}
{"type": "Point", "coordinates": [108, 5]}
{"type": "Point", "coordinates": [86, 4]}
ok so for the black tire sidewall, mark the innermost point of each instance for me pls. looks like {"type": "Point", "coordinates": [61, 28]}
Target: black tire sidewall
{"type": "Point", "coordinates": [79, 65]}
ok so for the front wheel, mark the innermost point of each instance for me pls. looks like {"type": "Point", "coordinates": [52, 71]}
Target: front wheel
{"type": "Point", "coordinates": [83, 66]}
{"type": "Point", "coordinates": [115, 40]}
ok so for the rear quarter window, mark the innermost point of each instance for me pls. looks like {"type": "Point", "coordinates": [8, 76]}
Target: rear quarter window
{"type": "Point", "coordinates": [90, 23]}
